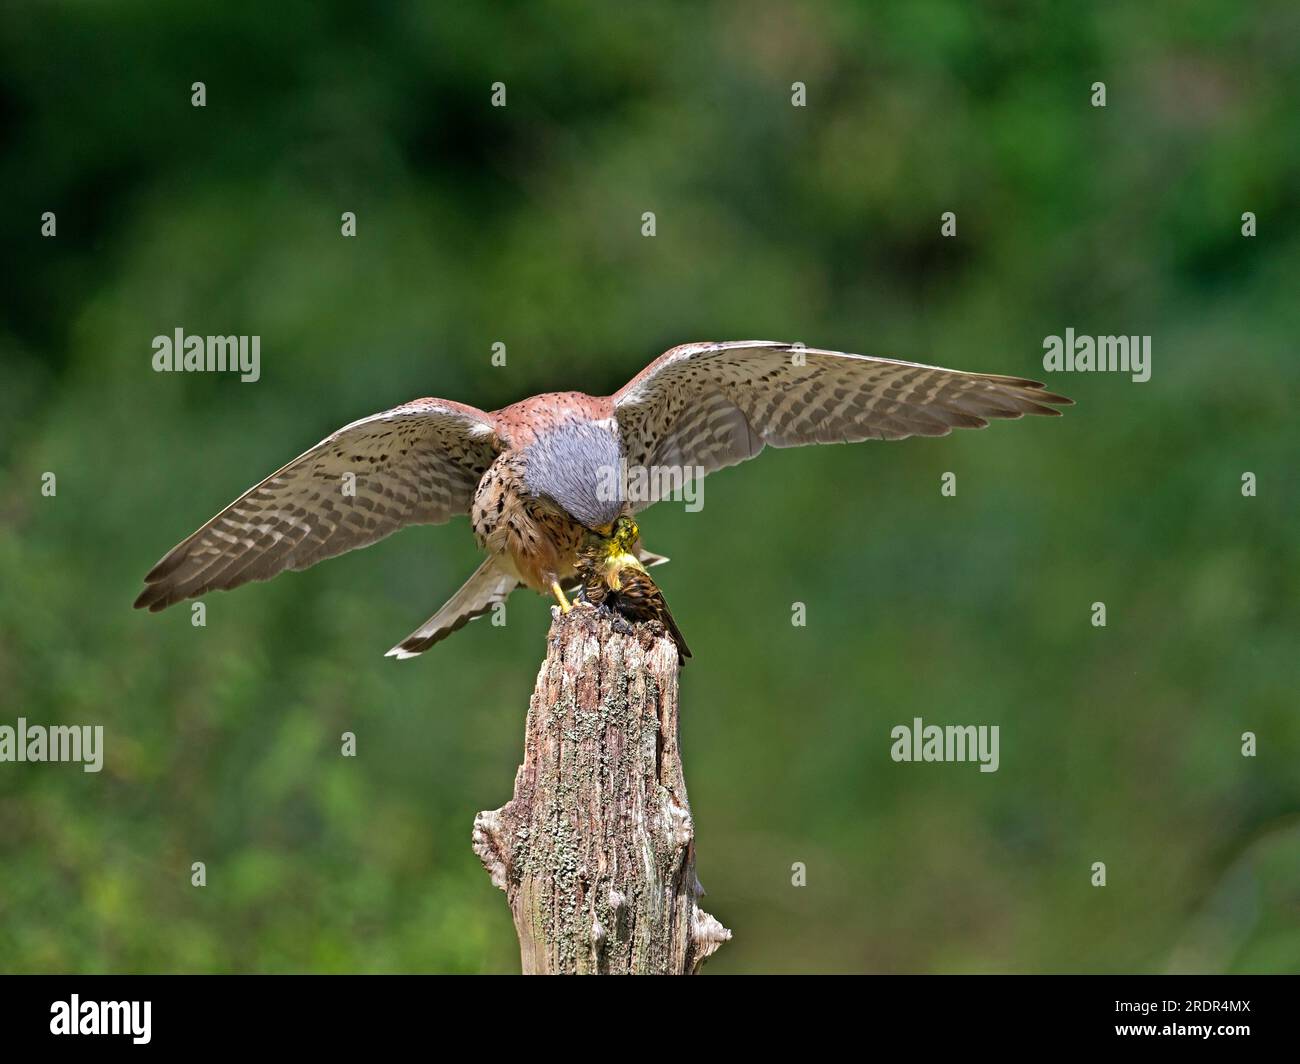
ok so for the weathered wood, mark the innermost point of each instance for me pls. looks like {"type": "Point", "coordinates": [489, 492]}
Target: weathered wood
{"type": "Point", "coordinates": [596, 850]}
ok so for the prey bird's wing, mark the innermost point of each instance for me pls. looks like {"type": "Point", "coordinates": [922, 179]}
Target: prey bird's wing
{"type": "Point", "coordinates": [415, 464]}
{"type": "Point", "coordinates": [711, 405]}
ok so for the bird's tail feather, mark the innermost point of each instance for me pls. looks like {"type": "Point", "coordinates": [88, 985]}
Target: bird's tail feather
{"type": "Point", "coordinates": [489, 585]}
{"type": "Point", "coordinates": [649, 558]}
{"type": "Point", "coordinates": [675, 634]}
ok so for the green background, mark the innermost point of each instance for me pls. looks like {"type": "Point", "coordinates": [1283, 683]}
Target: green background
{"type": "Point", "coordinates": [522, 225]}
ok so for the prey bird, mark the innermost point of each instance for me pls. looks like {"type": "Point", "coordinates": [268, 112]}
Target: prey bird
{"type": "Point", "coordinates": [536, 477]}
{"type": "Point", "coordinates": [614, 577]}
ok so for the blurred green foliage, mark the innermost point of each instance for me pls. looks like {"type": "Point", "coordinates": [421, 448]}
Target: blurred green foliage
{"type": "Point", "coordinates": [522, 225]}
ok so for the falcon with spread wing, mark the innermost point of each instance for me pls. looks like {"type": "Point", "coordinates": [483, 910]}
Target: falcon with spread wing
{"type": "Point", "coordinates": [537, 477]}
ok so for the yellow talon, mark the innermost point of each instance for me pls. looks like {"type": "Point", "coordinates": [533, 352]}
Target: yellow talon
{"type": "Point", "coordinates": [558, 592]}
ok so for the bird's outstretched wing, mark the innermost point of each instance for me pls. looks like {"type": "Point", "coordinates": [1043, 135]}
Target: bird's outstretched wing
{"type": "Point", "coordinates": [712, 405]}
{"type": "Point", "coordinates": [415, 464]}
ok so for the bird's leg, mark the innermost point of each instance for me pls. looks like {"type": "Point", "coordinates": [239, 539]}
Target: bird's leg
{"type": "Point", "coordinates": [560, 597]}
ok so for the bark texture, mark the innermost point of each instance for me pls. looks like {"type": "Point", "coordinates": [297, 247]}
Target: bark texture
{"type": "Point", "coordinates": [596, 850]}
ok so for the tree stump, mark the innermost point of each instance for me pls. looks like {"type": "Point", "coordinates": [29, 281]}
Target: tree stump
{"type": "Point", "coordinates": [596, 851]}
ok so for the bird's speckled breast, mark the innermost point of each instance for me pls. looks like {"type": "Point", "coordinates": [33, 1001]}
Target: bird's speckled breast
{"type": "Point", "coordinates": [538, 540]}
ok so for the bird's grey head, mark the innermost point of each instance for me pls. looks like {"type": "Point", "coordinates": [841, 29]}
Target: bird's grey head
{"type": "Point", "coordinates": [578, 466]}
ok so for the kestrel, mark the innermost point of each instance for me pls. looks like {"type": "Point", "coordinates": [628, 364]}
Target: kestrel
{"type": "Point", "coordinates": [535, 477]}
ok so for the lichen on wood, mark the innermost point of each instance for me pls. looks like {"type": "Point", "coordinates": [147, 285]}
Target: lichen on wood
{"type": "Point", "coordinates": [596, 851]}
